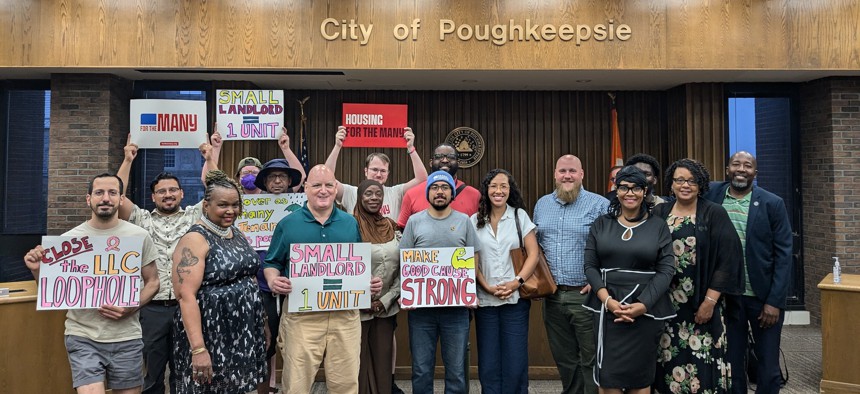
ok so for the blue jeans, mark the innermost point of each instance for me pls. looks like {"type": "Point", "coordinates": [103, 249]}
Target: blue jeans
{"type": "Point", "coordinates": [503, 347]}
{"type": "Point", "coordinates": [766, 347]}
{"type": "Point", "coordinates": [450, 325]}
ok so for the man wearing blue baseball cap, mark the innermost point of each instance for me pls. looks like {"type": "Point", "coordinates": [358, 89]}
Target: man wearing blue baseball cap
{"type": "Point", "coordinates": [439, 226]}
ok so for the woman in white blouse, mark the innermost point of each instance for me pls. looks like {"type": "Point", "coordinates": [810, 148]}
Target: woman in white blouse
{"type": "Point", "coordinates": [502, 317]}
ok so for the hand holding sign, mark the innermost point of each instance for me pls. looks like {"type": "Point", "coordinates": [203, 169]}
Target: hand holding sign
{"type": "Point", "coordinates": [410, 137]}
{"type": "Point", "coordinates": [340, 136]}
{"type": "Point", "coordinates": [215, 140]}
{"type": "Point", "coordinates": [284, 139]}
{"type": "Point", "coordinates": [281, 285]}
{"type": "Point", "coordinates": [116, 312]}
{"type": "Point", "coordinates": [33, 258]}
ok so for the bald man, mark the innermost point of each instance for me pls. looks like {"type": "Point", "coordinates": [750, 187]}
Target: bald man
{"type": "Point", "coordinates": [563, 220]}
{"type": "Point", "coordinates": [308, 339]}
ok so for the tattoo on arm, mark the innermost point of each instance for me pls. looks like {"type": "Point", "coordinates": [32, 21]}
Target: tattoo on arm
{"type": "Point", "coordinates": [188, 259]}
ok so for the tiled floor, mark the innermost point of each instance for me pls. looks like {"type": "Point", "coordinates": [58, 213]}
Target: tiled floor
{"type": "Point", "coordinates": [801, 345]}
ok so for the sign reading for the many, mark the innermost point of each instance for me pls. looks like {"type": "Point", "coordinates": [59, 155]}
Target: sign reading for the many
{"type": "Point", "coordinates": [249, 114]}
{"type": "Point", "coordinates": [88, 272]}
{"type": "Point", "coordinates": [329, 277]}
{"type": "Point", "coordinates": [374, 125]}
{"type": "Point", "coordinates": [437, 277]}
{"type": "Point", "coordinates": [164, 124]}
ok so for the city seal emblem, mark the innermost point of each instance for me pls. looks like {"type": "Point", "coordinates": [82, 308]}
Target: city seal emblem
{"type": "Point", "coordinates": [469, 145]}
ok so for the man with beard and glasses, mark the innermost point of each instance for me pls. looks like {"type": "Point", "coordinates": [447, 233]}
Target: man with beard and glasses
{"type": "Point", "coordinates": [439, 226]}
{"type": "Point", "coordinates": [563, 220]}
{"type": "Point", "coordinates": [467, 197]}
{"type": "Point", "coordinates": [762, 223]}
{"type": "Point", "coordinates": [167, 223]}
{"type": "Point", "coordinates": [376, 167]}
{"type": "Point", "coordinates": [104, 344]}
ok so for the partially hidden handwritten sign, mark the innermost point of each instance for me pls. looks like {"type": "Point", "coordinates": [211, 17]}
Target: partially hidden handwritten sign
{"type": "Point", "coordinates": [374, 125]}
{"type": "Point", "coordinates": [329, 277]}
{"type": "Point", "coordinates": [168, 124]}
{"type": "Point", "coordinates": [262, 212]}
{"type": "Point", "coordinates": [88, 272]}
{"type": "Point", "coordinates": [249, 114]}
{"type": "Point", "coordinates": [437, 277]}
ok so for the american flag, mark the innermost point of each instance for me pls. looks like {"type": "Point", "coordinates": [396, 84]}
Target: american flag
{"type": "Point", "coordinates": [303, 137]}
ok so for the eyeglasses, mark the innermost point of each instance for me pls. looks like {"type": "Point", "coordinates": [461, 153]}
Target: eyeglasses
{"type": "Point", "coordinates": [449, 156]}
{"type": "Point", "coordinates": [170, 190]}
{"type": "Point", "coordinates": [623, 189]}
{"type": "Point", "coordinates": [378, 170]}
{"type": "Point", "coordinates": [280, 177]}
{"type": "Point", "coordinates": [247, 172]}
{"type": "Point", "coordinates": [681, 181]}
{"type": "Point", "coordinates": [443, 187]}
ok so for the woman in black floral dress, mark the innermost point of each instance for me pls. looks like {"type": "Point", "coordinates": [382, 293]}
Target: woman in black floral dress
{"type": "Point", "coordinates": [691, 354]}
{"type": "Point", "coordinates": [219, 328]}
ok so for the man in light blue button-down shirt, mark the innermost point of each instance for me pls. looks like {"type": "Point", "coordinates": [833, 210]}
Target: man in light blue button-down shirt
{"type": "Point", "coordinates": [563, 220]}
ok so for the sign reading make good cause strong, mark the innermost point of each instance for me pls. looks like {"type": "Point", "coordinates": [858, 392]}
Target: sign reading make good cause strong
{"type": "Point", "coordinates": [374, 125]}
{"type": "Point", "coordinates": [88, 272]}
{"type": "Point", "coordinates": [329, 277]}
{"type": "Point", "coordinates": [437, 277]}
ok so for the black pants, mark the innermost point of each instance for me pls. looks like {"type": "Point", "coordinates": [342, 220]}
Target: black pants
{"type": "Point", "coordinates": [766, 347]}
{"type": "Point", "coordinates": [156, 321]}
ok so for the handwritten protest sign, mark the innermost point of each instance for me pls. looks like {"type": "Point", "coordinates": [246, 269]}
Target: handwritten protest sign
{"type": "Point", "coordinates": [374, 125]}
{"type": "Point", "coordinates": [329, 277]}
{"type": "Point", "coordinates": [262, 212]}
{"type": "Point", "coordinates": [249, 114]}
{"type": "Point", "coordinates": [437, 277]}
{"type": "Point", "coordinates": [88, 272]}
{"type": "Point", "coordinates": [162, 124]}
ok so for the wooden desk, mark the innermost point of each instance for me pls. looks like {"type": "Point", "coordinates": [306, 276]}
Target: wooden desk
{"type": "Point", "coordinates": [33, 356]}
{"type": "Point", "coordinates": [840, 356]}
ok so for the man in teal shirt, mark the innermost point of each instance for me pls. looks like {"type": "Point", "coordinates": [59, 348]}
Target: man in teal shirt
{"type": "Point", "coordinates": [307, 338]}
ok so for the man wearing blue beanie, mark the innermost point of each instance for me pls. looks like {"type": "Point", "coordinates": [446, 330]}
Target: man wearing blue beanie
{"type": "Point", "coordinates": [439, 226]}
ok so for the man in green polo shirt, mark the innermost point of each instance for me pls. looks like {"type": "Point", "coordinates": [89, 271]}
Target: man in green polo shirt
{"type": "Point", "coordinates": [307, 338]}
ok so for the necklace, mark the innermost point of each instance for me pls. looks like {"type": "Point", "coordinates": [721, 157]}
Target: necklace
{"type": "Point", "coordinates": [222, 232]}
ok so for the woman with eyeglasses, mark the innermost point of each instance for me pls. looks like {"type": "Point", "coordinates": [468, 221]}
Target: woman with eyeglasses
{"type": "Point", "coordinates": [708, 261]}
{"type": "Point", "coordinates": [629, 264]}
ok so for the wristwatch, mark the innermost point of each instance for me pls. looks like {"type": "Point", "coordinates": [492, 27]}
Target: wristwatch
{"type": "Point", "coordinates": [520, 280]}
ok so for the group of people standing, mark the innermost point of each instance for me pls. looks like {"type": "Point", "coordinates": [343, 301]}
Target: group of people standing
{"type": "Point", "coordinates": [653, 293]}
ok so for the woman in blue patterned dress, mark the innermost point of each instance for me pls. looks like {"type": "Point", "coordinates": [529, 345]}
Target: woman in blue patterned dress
{"type": "Point", "coordinates": [219, 328]}
{"type": "Point", "coordinates": [691, 354]}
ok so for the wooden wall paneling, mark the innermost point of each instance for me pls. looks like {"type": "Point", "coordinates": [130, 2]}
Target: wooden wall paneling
{"type": "Point", "coordinates": [285, 34]}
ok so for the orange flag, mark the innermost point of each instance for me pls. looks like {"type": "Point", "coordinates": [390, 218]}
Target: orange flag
{"type": "Point", "coordinates": [617, 157]}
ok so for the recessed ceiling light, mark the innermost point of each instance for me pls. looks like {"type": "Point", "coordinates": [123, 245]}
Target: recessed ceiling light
{"type": "Point", "coordinates": [470, 81]}
{"type": "Point", "coordinates": [353, 80]}
{"type": "Point", "coordinates": [583, 80]}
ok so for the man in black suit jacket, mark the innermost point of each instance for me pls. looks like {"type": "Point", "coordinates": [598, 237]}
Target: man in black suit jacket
{"type": "Point", "coordinates": [762, 223]}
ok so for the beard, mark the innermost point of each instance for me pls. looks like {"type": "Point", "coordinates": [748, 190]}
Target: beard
{"type": "Point", "coordinates": [104, 214]}
{"type": "Point", "coordinates": [739, 185]}
{"type": "Point", "coordinates": [167, 211]}
{"type": "Point", "coordinates": [567, 196]}
{"type": "Point", "coordinates": [440, 207]}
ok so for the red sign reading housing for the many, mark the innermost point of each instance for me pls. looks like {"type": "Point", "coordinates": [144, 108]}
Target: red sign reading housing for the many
{"type": "Point", "coordinates": [374, 125]}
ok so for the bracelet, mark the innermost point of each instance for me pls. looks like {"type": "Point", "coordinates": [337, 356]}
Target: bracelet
{"type": "Point", "coordinates": [606, 302]}
{"type": "Point", "coordinates": [711, 299]}
{"type": "Point", "coordinates": [197, 351]}
{"type": "Point", "coordinates": [410, 151]}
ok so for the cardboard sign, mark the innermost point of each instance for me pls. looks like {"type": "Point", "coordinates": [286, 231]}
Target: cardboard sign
{"type": "Point", "coordinates": [249, 114]}
{"type": "Point", "coordinates": [437, 277]}
{"type": "Point", "coordinates": [374, 125]}
{"type": "Point", "coordinates": [162, 124]}
{"type": "Point", "coordinates": [262, 212]}
{"type": "Point", "coordinates": [329, 277]}
{"type": "Point", "coordinates": [88, 272]}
